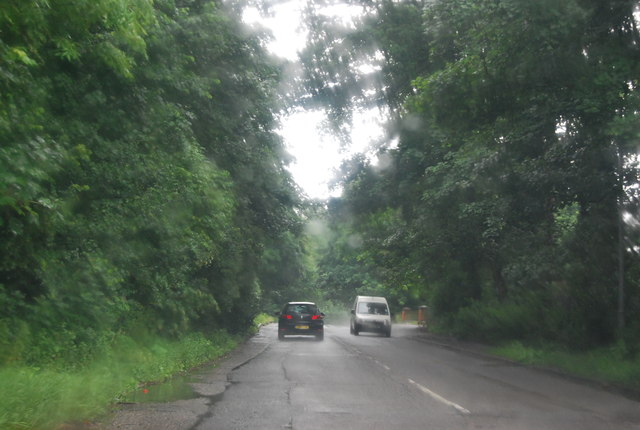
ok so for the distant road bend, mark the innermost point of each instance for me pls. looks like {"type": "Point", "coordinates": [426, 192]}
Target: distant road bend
{"type": "Point", "coordinates": [373, 382]}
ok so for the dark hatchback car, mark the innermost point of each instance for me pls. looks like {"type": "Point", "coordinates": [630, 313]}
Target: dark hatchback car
{"type": "Point", "coordinates": [301, 318]}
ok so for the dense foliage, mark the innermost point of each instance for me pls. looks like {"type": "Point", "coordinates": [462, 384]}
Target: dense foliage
{"type": "Point", "coordinates": [517, 131]}
{"type": "Point", "coordinates": [142, 186]}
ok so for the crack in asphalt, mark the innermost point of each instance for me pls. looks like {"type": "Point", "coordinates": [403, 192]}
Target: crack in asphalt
{"type": "Point", "coordinates": [214, 398]}
{"type": "Point", "coordinates": [290, 385]}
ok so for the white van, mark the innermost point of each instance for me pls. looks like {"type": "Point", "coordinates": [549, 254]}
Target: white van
{"type": "Point", "coordinates": [370, 314]}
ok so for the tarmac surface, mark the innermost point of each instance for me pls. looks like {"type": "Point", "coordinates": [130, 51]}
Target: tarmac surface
{"type": "Point", "coordinates": [411, 380]}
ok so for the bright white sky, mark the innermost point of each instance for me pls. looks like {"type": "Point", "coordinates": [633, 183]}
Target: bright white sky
{"type": "Point", "coordinates": [316, 154]}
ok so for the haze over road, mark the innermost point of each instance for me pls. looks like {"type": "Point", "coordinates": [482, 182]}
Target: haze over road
{"type": "Point", "coordinates": [373, 382]}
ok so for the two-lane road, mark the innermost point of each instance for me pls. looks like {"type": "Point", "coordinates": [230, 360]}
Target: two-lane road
{"type": "Point", "coordinates": [374, 382]}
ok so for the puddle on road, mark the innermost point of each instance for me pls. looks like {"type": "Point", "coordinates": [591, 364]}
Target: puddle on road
{"type": "Point", "coordinates": [176, 388]}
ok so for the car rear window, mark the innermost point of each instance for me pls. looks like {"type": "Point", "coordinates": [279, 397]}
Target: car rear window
{"type": "Point", "coordinates": [301, 309]}
{"type": "Point", "coordinates": [372, 308]}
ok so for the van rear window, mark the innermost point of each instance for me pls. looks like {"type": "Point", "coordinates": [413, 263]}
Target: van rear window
{"type": "Point", "coordinates": [372, 308]}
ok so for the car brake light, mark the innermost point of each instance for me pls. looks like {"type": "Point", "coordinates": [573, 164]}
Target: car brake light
{"type": "Point", "coordinates": [287, 316]}
{"type": "Point", "coordinates": [316, 317]}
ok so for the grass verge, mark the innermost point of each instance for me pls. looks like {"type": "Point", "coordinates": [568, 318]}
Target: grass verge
{"type": "Point", "coordinates": [42, 398]}
{"type": "Point", "coordinates": [263, 319]}
{"type": "Point", "coordinates": [613, 365]}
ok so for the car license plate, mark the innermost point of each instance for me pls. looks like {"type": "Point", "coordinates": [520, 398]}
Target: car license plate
{"type": "Point", "coordinates": [302, 327]}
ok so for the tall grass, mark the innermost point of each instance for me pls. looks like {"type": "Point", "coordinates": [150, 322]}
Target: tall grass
{"type": "Point", "coordinates": [41, 398]}
{"type": "Point", "coordinates": [612, 365]}
{"type": "Point", "coordinates": [263, 319]}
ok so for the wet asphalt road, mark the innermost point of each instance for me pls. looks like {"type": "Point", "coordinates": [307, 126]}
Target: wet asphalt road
{"type": "Point", "coordinates": [402, 382]}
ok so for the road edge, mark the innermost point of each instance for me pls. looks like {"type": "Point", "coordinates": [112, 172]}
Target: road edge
{"type": "Point", "coordinates": [208, 386]}
{"type": "Point", "coordinates": [482, 351]}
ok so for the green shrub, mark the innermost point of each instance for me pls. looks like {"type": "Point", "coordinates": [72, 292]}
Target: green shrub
{"type": "Point", "coordinates": [498, 321]}
{"type": "Point", "coordinates": [263, 319]}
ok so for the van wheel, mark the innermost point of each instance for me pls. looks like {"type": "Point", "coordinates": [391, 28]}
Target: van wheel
{"type": "Point", "coordinates": [387, 333]}
{"type": "Point", "coordinates": [356, 331]}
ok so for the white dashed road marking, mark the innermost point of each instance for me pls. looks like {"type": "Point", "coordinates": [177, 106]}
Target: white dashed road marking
{"type": "Point", "coordinates": [439, 398]}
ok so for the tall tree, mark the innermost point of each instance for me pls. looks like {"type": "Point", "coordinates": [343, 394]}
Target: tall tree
{"type": "Point", "coordinates": [141, 180]}
{"type": "Point", "coordinates": [506, 171]}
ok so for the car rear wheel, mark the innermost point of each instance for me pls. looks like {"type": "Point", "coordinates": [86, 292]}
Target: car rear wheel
{"type": "Point", "coordinates": [280, 335]}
